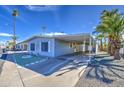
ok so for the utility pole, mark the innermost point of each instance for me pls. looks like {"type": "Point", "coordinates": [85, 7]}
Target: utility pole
{"type": "Point", "coordinates": [43, 30]}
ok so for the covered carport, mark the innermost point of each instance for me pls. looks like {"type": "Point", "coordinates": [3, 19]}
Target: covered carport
{"type": "Point", "coordinates": [84, 41]}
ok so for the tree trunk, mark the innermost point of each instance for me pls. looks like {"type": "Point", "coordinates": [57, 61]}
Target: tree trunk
{"type": "Point", "coordinates": [111, 49]}
{"type": "Point", "coordinates": [117, 55]}
{"type": "Point", "coordinates": [14, 34]}
{"type": "Point", "coordinates": [105, 45]}
{"type": "Point", "coordinates": [117, 46]}
{"type": "Point", "coordinates": [101, 45]}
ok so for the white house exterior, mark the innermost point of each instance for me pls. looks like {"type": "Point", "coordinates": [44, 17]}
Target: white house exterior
{"type": "Point", "coordinates": [2, 49]}
{"type": "Point", "coordinates": [37, 46]}
{"type": "Point", "coordinates": [22, 46]}
{"type": "Point", "coordinates": [57, 45]}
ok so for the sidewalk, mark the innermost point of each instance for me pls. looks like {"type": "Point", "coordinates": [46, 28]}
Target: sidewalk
{"type": "Point", "coordinates": [9, 76]}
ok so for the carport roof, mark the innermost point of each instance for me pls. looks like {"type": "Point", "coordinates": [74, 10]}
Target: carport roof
{"type": "Point", "coordinates": [75, 37]}
{"type": "Point", "coordinates": [68, 37]}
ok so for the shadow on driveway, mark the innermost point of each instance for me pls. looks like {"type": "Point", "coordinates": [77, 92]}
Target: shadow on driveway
{"type": "Point", "coordinates": [72, 66]}
{"type": "Point", "coordinates": [105, 69]}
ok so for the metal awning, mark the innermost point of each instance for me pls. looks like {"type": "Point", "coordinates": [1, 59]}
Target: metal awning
{"type": "Point", "coordinates": [75, 38]}
{"type": "Point", "coordinates": [71, 37]}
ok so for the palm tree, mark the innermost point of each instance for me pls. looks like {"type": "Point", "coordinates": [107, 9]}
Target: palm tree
{"type": "Point", "coordinates": [112, 23]}
{"type": "Point", "coordinates": [14, 14]}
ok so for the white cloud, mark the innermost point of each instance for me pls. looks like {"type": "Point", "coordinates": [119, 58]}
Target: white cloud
{"type": "Point", "coordinates": [2, 43]}
{"type": "Point", "coordinates": [94, 27]}
{"type": "Point", "coordinates": [42, 7]}
{"type": "Point", "coordinates": [10, 9]}
{"type": "Point", "coordinates": [54, 33]}
{"type": "Point", "coordinates": [5, 34]}
{"type": "Point", "coordinates": [4, 17]}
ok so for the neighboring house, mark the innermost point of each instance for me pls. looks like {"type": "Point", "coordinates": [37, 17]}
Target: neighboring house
{"type": "Point", "coordinates": [23, 46]}
{"type": "Point", "coordinates": [57, 45]}
{"type": "Point", "coordinates": [122, 48]}
{"type": "Point", "coordinates": [2, 49]}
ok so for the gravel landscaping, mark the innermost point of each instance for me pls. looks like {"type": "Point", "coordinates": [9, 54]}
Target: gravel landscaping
{"type": "Point", "coordinates": [103, 71]}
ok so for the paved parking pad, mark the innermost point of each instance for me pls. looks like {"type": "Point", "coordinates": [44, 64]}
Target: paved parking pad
{"type": "Point", "coordinates": [53, 72]}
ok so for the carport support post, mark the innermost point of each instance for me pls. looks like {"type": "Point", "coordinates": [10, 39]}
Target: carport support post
{"type": "Point", "coordinates": [84, 45]}
{"type": "Point", "coordinates": [96, 47]}
{"type": "Point", "coordinates": [90, 47]}
{"type": "Point", "coordinates": [123, 50]}
{"type": "Point", "coordinates": [90, 44]}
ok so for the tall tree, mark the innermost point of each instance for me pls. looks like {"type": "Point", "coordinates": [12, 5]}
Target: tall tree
{"type": "Point", "coordinates": [112, 23]}
{"type": "Point", "coordinates": [14, 14]}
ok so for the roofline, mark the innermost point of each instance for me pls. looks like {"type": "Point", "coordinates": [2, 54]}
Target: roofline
{"type": "Point", "coordinates": [53, 36]}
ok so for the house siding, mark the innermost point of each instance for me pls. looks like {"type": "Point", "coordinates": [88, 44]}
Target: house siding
{"type": "Point", "coordinates": [56, 47]}
{"type": "Point", "coordinates": [83, 47]}
{"type": "Point", "coordinates": [62, 47]}
{"type": "Point", "coordinates": [38, 41]}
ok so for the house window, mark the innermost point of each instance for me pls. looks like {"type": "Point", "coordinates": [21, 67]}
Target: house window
{"type": "Point", "coordinates": [44, 46]}
{"type": "Point", "coordinates": [32, 47]}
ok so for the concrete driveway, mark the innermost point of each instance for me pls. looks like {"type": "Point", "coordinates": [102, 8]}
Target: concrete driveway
{"type": "Point", "coordinates": [1, 65]}
{"type": "Point", "coordinates": [54, 72]}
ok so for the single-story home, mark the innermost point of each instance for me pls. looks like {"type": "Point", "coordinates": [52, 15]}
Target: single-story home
{"type": "Point", "coordinates": [57, 45]}
{"type": "Point", "coordinates": [2, 49]}
{"type": "Point", "coordinates": [23, 46]}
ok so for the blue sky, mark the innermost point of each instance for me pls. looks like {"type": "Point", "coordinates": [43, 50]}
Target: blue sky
{"type": "Point", "coordinates": [68, 19]}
